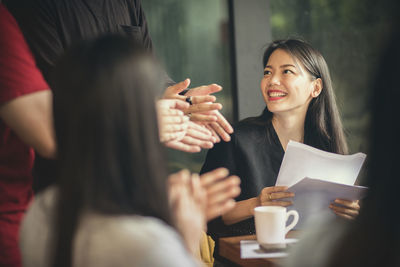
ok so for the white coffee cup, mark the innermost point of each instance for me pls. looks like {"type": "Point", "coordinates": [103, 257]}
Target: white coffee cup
{"type": "Point", "coordinates": [271, 223]}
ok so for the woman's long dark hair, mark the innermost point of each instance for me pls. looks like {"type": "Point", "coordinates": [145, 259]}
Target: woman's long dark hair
{"type": "Point", "coordinates": [110, 160]}
{"type": "Point", "coordinates": [323, 127]}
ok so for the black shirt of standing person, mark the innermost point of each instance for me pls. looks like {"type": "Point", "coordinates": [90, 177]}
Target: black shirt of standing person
{"type": "Point", "coordinates": [52, 26]}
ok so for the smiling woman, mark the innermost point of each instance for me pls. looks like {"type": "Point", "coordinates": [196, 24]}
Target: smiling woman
{"type": "Point", "coordinates": [286, 86]}
{"type": "Point", "coordinates": [300, 106]}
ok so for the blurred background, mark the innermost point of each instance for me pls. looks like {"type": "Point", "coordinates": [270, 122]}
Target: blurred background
{"type": "Point", "coordinates": [222, 41]}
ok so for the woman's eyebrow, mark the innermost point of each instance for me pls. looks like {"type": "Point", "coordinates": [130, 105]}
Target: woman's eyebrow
{"type": "Point", "coordinates": [287, 65]}
{"type": "Point", "coordinates": [282, 66]}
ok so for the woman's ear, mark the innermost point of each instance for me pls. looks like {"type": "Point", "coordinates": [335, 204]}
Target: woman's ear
{"type": "Point", "coordinates": [317, 88]}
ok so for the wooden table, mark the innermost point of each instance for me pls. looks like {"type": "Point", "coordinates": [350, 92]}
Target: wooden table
{"type": "Point", "coordinates": [229, 248]}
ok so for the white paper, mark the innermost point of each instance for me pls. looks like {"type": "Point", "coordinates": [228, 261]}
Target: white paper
{"type": "Point", "coordinates": [313, 196]}
{"type": "Point", "coordinates": [302, 161]}
{"type": "Point", "coordinates": [317, 178]}
{"type": "Point", "coordinates": [250, 249]}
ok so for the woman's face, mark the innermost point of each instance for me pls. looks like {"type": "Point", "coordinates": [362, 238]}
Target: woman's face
{"type": "Point", "coordinates": [286, 86]}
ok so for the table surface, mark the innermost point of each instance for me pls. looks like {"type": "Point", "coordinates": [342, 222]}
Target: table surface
{"type": "Point", "coordinates": [229, 248]}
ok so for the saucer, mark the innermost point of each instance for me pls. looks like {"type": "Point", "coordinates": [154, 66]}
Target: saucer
{"type": "Point", "coordinates": [284, 244]}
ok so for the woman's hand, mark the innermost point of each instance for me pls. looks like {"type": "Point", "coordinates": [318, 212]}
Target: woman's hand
{"type": "Point", "coordinates": [221, 191]}
{"type": "Point", "coordinates": [188, 201]}
{"type": "Point", "coordinates": [172, 122]}
{"type": "Point", "coordinates": [347, 209]}
{"type": "Point", "coordinates": [273, 195]}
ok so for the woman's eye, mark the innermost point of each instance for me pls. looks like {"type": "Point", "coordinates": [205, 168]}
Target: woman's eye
{"type": "Point", "coordinates": [267, 72]}
{"type": "Point", "coordinates": [288, 72]}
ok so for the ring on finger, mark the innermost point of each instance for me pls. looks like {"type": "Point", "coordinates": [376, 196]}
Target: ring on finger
{"type": "Point", "coordinates": [269, 197]}
{"type": "Point", "coordinates": [189, 100]}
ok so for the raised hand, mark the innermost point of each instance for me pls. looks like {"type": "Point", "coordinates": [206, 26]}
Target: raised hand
{"type": "Point", "coordinates": [172, 121]}
{"type": "Point", "coordinates": [221, 126]}
{"type": "Point", "coordinates": [214, 120]}
{"type": "Point", "coordinates": [196, 138]}
{"type": "Point", "coordinates": [221, 191]}
{"type": "Point", "coordinates": [187, 199]}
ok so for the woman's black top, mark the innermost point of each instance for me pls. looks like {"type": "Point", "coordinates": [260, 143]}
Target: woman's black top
{"type": "Point", "coordinates": [255, 155]}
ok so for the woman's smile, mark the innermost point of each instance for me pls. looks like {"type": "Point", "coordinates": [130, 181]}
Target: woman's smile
{"type": "Point", "coordinates": [275, 95]}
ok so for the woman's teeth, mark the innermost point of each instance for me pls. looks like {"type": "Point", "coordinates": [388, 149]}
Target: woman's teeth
{"type": "Point", "coordinates": [276, 94]}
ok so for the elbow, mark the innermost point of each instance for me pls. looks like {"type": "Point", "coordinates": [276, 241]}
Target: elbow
{"type": "Point", "coordinates": [47, 150]}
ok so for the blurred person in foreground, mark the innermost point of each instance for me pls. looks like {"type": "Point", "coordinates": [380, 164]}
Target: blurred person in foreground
{"type": "Point", "coordinates": [373, 238]}
{"type": "Point", "coordinates": [113, 204]}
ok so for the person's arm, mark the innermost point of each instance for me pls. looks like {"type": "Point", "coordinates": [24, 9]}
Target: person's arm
{"type": "Point", "coordinates": [24, 96]}
{"type": "Point", "coordinates": [30, 117]}
{"type": "Point", "coordinates": [269, 196]}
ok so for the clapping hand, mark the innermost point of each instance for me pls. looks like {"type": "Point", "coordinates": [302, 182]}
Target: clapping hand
{"type": "Point", "coordinates": [208, 113]}
{"type": "Point", "coordinates": [221, 191]}
{"type": "Point", "coordinates": [188, 200]}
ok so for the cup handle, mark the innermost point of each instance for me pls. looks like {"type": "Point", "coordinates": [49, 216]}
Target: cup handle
{"type": "Point", "coordinates": [295, 220]}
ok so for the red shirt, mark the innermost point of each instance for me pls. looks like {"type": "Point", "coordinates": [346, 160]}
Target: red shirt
{"type": "Point", "coordinates": [18, 76]}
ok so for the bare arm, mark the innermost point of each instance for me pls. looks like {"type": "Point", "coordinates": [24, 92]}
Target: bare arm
{"type": "Point", "coordinates": [30, 117]}
{"type": "Point", "coordinates": [269, 196]}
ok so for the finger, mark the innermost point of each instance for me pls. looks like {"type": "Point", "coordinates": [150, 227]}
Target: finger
{"type": "Point", "coordinates": [344, 210]}
{"type": "Point", "coordinates": [178, 145]}
{"type": "Point", "coordinates": [166, 137]}
{"type": "Point", "coordinates": [203, 107]}
{"type": "Point", "coordinates": [348, 203]}
{"type": "Point", "coordinates": [202, 118]}
{"type": "Point", "coordinates": [273, 189]}
{"type": "Point", "coordinates": [163, 111]}
{"type": "Point", "coordinates": [172, 128]}
{"type": "Point", "coordinates": [204, 90]}
{"type": "Point", "coordinates": [203, 99]}
{"type": "Point", "coordinates": [280, 195]}
{"type": "Point", "coordinates": [216, 199]}
{"type": "Point", "coordinates": [277, 203]}
{"type": "Point", "coordinates": [198, 192]}
{"type": "Point", "coordinates": [199, 127]}
{"type": "Point", "coordinates": [224, 186]}
{"type": "Point", "coordinates": [174, 119]}
{"type": "Point", "coordinates": [211, 177]}
{"type": "Point", "coordinates": [188, 140]}
{"type": "Point", "coordinates": [220, 131]}
{"type": "Point", "coordinates": [199, 135]}
{"type": "Point", "coordinates": [343, 215]}
{"type": "Point", "coordinates": [174, 90]}
{"type": "Point", "coordinates": [224, 123]}
{"type": "Point", "coordinates": [218, 210]}
{"type": "Point", "coordinates": [214, 134]}
{"type": "Point", "coordinates": [172, 104]}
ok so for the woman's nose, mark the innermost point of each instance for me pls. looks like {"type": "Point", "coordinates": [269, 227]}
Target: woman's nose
{"type": "Point", "coordinates": [274, 79]}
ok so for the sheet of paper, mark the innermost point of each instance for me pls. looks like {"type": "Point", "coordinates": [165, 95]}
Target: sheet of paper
{"type": "Point", "coordinates": [313, 196]}
{"type": "Point", "coordinates": [305, 161]}
{"type": "Point", "coordinates": [250, 249]}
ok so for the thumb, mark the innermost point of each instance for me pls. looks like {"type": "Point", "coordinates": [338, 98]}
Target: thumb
{"type": "Point", "coordinates": [177, 88]}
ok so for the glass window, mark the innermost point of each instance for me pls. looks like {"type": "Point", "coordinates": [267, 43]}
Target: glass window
{"type": "Point", "coordinates": [349, 34]}
{"type": "Point", "coordinates": [191, 39]}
